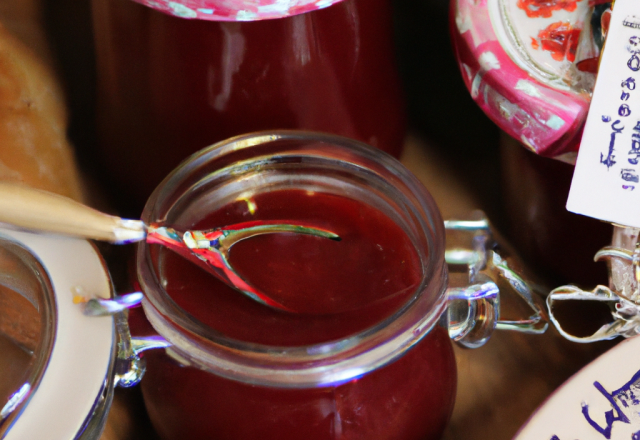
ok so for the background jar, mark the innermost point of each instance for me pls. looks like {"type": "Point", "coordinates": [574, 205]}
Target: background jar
{"type": "Point", "coordinates": [169, 86]}
{"type": "Point", "coordinates": [540, 100]}
{"type": "Point", "coordinates": [394, 379]}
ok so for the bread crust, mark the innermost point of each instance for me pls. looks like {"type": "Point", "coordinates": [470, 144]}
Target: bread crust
{"type": "Point", "coordinates": [33, 146]}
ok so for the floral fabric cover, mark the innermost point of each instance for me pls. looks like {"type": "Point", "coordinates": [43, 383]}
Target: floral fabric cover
{"type": "Point", "coordinates": [531, 64]}
{"type": "Point", "coordinates": [236, 10]}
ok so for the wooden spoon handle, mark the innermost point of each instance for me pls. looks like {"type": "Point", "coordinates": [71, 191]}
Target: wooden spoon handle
{"type": "Point", "coordinates": [38, 210]}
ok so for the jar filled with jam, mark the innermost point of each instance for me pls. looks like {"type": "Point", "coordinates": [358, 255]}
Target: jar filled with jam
{"type": "Point", "coordinates": [362, 357]}
{"type": "Point", "coordinates": [173, 78]}
{"type": "Point", "coordinates": [531, 67]}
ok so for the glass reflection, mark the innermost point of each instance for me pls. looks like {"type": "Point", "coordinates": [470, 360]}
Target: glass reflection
{"type": "Point", "coordinates": [27, 328]}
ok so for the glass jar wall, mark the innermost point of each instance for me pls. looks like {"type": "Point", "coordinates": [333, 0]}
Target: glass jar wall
{"type": "Point", "coordinates": [557, 243]}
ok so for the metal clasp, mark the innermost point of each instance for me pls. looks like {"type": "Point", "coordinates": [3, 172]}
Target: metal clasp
{"type": "Point", "coordinates": [129, 366]}
{"type": "Point", "coordinates": [622, 296]}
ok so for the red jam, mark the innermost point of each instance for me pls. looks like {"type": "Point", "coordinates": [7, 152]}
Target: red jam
{"type": "Point", "coordinates": [168, 86]}
{"type": "Point", "coordinates": [352, 284]}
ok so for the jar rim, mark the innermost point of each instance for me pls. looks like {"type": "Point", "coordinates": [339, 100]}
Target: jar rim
{"type": "Point", "coordinates": [326, 363]}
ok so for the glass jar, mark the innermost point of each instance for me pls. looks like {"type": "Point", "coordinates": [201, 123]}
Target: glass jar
{"type": "Point", "coordinates": [49, 349]}
{"type": "Point", "coordinates": [169, 86]}
{"type": "Point", "coordinates": [529, 66]}
{"type": "Point", "coordinates": [555, 242]}
{"type": "Point", "coordinates": [237, 369]}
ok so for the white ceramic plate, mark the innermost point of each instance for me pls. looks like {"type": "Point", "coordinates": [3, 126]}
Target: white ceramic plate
{"type": "Point", "coordinates": [602, 401]}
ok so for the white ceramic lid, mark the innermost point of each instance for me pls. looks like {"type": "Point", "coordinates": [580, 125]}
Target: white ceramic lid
{"type": "Point", "coordinates": [83, 346]}
{"type": "Point", "coordinates": [602, 401]}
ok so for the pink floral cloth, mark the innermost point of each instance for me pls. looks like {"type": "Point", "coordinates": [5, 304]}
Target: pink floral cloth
{"type": "Point", "coordinates": [236, 10]}
{"type": "Point", "coordinates": [518, 60]}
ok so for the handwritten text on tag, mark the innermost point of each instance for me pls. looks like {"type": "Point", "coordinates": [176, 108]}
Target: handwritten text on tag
{"type": "Point", "coordinates": [606, 181]}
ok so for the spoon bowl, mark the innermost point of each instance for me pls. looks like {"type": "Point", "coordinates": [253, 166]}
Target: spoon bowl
{"type": "Point", "coordinates": [210, 249]}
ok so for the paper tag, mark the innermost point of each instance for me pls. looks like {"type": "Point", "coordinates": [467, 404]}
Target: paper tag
{"type": "Point", "coordinates": [606, 181]}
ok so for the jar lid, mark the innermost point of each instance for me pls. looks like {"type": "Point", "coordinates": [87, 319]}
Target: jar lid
{"type": "Point", "coordinates": [236, 10]}
{"type": "Point", "coordinates": [521, 62]}
{"type": "Point", "coordinates": [72, 358]}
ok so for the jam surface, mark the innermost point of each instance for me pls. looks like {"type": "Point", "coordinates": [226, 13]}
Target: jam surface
{"type": "Point", "coordinates": [342, 286]}
{"type": "Point", "coordinates": [352, 284]}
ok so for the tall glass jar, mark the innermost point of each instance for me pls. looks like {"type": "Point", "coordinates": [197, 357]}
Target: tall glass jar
{"type": "Point", "coordinates": [169, 86]}
{"type": "Point", "coordinates": [237, 369]}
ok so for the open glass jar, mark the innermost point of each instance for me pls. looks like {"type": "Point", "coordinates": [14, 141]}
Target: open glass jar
{"type": "Point", "coordinates": [335, 373]}
{"type": "Point", "coordinates": [370, 356]}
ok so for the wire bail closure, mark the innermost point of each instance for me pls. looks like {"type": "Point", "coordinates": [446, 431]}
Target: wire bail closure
{"type": "Point", "coordinates": [622, 296]}
{"type": "Point", "coordinates": [472, 315]}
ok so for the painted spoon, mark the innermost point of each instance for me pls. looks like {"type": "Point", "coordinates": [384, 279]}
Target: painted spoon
{"type": "Point", "coordinates": [37, 210]}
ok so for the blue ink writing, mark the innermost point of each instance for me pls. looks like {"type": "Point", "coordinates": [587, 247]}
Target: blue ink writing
{"type": "Point", "coordinates": [624, 110]}
{"type": "Point", "coordinates": [609, 160]}
{"type": "Point", "coordinates": [627, 396]}
{"type": "Point", "coordinates": [629, 175]}
{"type": "Point", "coordinates": [629, 83]}
{"type": "Point", "coordinates": [634, 153]}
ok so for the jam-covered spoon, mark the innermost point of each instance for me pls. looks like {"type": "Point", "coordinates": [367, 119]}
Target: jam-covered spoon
{"type": "Point", "coordinates": [210, 249]}
{"type": "Point", "coordinates": [38, 210]}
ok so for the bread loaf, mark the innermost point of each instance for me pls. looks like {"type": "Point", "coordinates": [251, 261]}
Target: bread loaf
{"type": "Point", "coordinates": [33, 121]}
